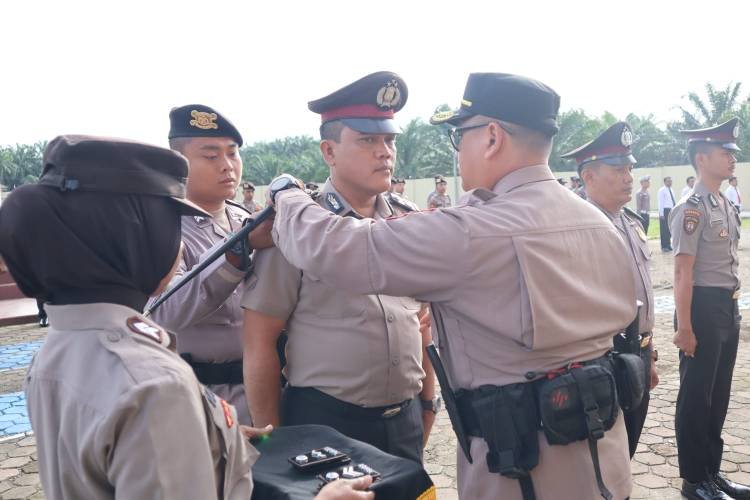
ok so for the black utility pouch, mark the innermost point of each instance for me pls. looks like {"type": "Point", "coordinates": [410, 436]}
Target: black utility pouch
{"type": "Point", "coordinates": [509, 422]}
{"type": "Point", "coordinates": [630, 374]}
{"type": "Point", "coordinates": [563, 414]}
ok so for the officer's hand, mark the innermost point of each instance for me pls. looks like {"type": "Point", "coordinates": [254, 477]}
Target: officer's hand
{"type": "Point", "coordinates": [685, 340]}
{"type": "Point", "coordinates": [255, 432]}
{"type": "Point", "coordinates": [345, 489]}
{"type": "Point", "coordinates": [654, 376]}
{"type": "Point", "coordinates": [260, 237]}
{"type": "Point", "coordinates": [281, 183]}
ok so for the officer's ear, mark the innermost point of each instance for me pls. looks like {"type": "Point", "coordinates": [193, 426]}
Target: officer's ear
{"type": "Point", "coordinates": [496, 137]}
{"type": "Point", "coordinates": [328, 151]}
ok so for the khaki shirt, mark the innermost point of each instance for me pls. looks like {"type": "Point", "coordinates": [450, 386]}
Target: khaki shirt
{"type": "Point", "coordinates": [252, 207]}
{"type": "Point", "coordinates": [435, 200]}
{"type": "Point", "coordinates": [205, 314]}
{"type": "Point", "coordinates": [643, 201]}
{"type": "Point", "coordinates": [362, 349]}
{"type": "Point", "coordinates": [506, 277]}
{"type": "Point", "coordinates": [118, 415]}
{"type": "Point", "coordinates": [707, 226]}
{"type": "Point", "coordinates": [639, 254]}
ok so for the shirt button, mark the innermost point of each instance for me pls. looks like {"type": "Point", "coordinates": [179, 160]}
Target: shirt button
{"type": "Point", "coordinates": [113, 337]}
{"type": "Point", "coordinates": [394, 361]}
{"type": "Point", "coordinates": [391, 318]}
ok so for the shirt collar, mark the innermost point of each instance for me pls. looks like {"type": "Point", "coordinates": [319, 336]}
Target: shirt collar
{"type": "Point", "coordinates": [382, 208]}
{"type": "Point", "coordinates": [525, 175]}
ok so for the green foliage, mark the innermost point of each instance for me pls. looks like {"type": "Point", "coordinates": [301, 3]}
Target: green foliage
{"type": "Point", "coordinates": [21, 164]}
{"type": "Point", "coordinates": [424, 150]}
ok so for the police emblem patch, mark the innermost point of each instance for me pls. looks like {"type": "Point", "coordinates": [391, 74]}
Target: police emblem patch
{"type": "Point", "coordinates": [736, 131]}
{"type": "Point", "coordinates": [691, 220]}
{"type": "Point", "coordinates": [203, 120]}
{"type": "Point", "coordinates": [627, 137]}
{"type": "Point", "coordinates": [389, 96]}
{"type": "Point", "coordinates": [333, 202]}
{"type": "Point", "coordinates": [139, 326]}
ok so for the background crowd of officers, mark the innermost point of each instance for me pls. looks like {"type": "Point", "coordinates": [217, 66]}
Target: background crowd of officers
{"type": "Point", "coordinates": [323, 317]}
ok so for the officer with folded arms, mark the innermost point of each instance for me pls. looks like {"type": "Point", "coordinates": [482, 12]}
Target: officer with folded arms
{"type": "Point", "coordinates": [605, 165]}
{"type": "Point", "coordinates": [524, 330]}
{"type": "Point", "coordinates": [705, 230]}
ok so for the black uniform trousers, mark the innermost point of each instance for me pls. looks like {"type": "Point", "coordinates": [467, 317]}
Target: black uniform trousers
{"type": "Point", "coordinates": [705, 382]}
{"type": "Point", "coordinates": [645, 220]}
{"type": "Point", "coordinates": [400, 434]}
{"type": "Point", "coordinates": [636, 417]}
{"type": "Point", "coordinates": [664, 233]}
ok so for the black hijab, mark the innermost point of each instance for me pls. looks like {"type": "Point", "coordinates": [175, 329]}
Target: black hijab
{"type": "Point", "coordinates": [78, 247]}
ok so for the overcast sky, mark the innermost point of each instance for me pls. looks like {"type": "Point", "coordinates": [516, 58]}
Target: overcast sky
{"type": "Point", "coordinates": [116, 69]}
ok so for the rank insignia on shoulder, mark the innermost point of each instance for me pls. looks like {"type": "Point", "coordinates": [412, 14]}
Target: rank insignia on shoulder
{"type": "Point", "coordinates": [139, 326]}
{"type": "Point", "coordinates": [694, 200]}
{"type": "Point", "coordinates": [334, 203]}
{"type": "Point", "coordinates": [402, 203]}
{"type": "Point", "coordinates": [691, 219]}
{"type": "Point", "coordinates": [198, 219]}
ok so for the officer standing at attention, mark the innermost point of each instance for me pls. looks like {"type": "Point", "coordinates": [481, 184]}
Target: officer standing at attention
{"type": "Point", "coordinates": [248, 198]}
{"type": "Point", "coordinates": [605, 164]}
{"type": "Point", "coordinates": [206, 315]}
{"type": "Point", "coordinates": [506, 288]}
{"type": "Point", "coordinates": [110, 242]}
{"type": "Point", "coordinates": [643, 201]}
{"type": "Point", "coordinates": [439, 198]}
{"type": "Point", "coordinates": [705, 231]}
{"type": "Point", "coordinates": [354, 362]}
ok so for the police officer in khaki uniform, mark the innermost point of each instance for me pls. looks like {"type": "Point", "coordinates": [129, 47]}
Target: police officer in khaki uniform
{"type": "Point", "coordinates": [205, 315]}
{"type": "Point", "coordinates": [605, 164]}
{"type": "Point", "coordinates": [439, 198]}
{"type": "Point", "coordinates": [643, 201]}
{"type": "Point", "coordinates": [111, 405]}
{"type": "Point", "coordinates": [705, 231]}
{"type": "Point", "coordinates": [509, 298]}
{"type": "Point", "coordinates": [354, 362]}
{"type": "Point", "coordinates": [248, 198]}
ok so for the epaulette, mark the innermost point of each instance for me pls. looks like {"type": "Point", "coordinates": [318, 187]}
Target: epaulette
{"type": "Point", "coordinates": [694, 199]}
{"type": "Point", "coordinates": [633, 214]}
{"type": "Point", "coordinates": [402, 203]}
{"type": "Point", "coordinates": [238, 205]}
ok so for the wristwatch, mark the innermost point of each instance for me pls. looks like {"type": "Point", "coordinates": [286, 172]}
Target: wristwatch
{"type": "Point", "coordinates": [280, 183]}
{"type": "Point", "coordinates": [434, 405]}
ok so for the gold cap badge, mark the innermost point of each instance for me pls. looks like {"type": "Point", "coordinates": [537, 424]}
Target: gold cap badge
{"type": "Point", "coordinates": [203, 120]}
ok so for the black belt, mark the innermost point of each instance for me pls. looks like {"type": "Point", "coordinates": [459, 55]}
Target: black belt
{"type": "Point", "coordinates": [717, 292]}
{"type": "Point", "coordinates": [215, 373]}
{"type": "Point", "coordinates": [348, 410]}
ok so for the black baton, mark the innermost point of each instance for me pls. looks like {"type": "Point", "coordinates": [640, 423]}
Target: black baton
{"type": "Point", "coordinates": [242, 233]}
{"type": "Point", "coordinates": [450, 401]}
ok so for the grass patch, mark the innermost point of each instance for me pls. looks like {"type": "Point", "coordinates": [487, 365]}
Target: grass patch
{"type": "Point", "coordinates": [653, 228]}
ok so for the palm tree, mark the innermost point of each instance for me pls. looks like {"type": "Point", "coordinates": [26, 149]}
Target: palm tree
{"type": "Point", "coordinates": [720, 106]}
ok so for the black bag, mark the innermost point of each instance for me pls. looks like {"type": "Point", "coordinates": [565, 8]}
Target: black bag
{"type": "Point", "coordinates": [565, 419]}
{"type": "Point", "coordinates": [630, 375]}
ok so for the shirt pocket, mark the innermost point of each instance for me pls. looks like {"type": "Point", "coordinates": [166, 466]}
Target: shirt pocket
{"type": "Point", "coordinates": [331, 303]}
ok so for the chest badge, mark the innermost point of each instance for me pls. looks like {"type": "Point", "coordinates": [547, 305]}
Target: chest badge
{"type": "Point", "coordinates": [724, 233]}
{"type": "Point", "coordinates": [137, 325]}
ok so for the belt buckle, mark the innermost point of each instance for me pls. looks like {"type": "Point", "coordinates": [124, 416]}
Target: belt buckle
{"type": "Point", "coordinates": [736, 294]}
{"type": "Point", "coordinates": [391, 412]}
{"type": "Point", "coordinates": [645, 341]}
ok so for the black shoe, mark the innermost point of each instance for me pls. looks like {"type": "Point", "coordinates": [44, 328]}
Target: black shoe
{"type": "Point", "coordinates": [734, 490]}
{"type": "Point", "coordinates": [704, 490]}
{"type": "Point", "coordinates": [43, 322]}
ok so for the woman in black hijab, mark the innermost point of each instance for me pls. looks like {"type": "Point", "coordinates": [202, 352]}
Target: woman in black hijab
{"type": "Point", "coordinates": [112, 407]}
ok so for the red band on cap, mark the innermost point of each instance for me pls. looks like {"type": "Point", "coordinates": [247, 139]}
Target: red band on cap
{"type": "Point", "coordinates": [356, 111]}
{"type": "Point", "coordinates": [611, 150]}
